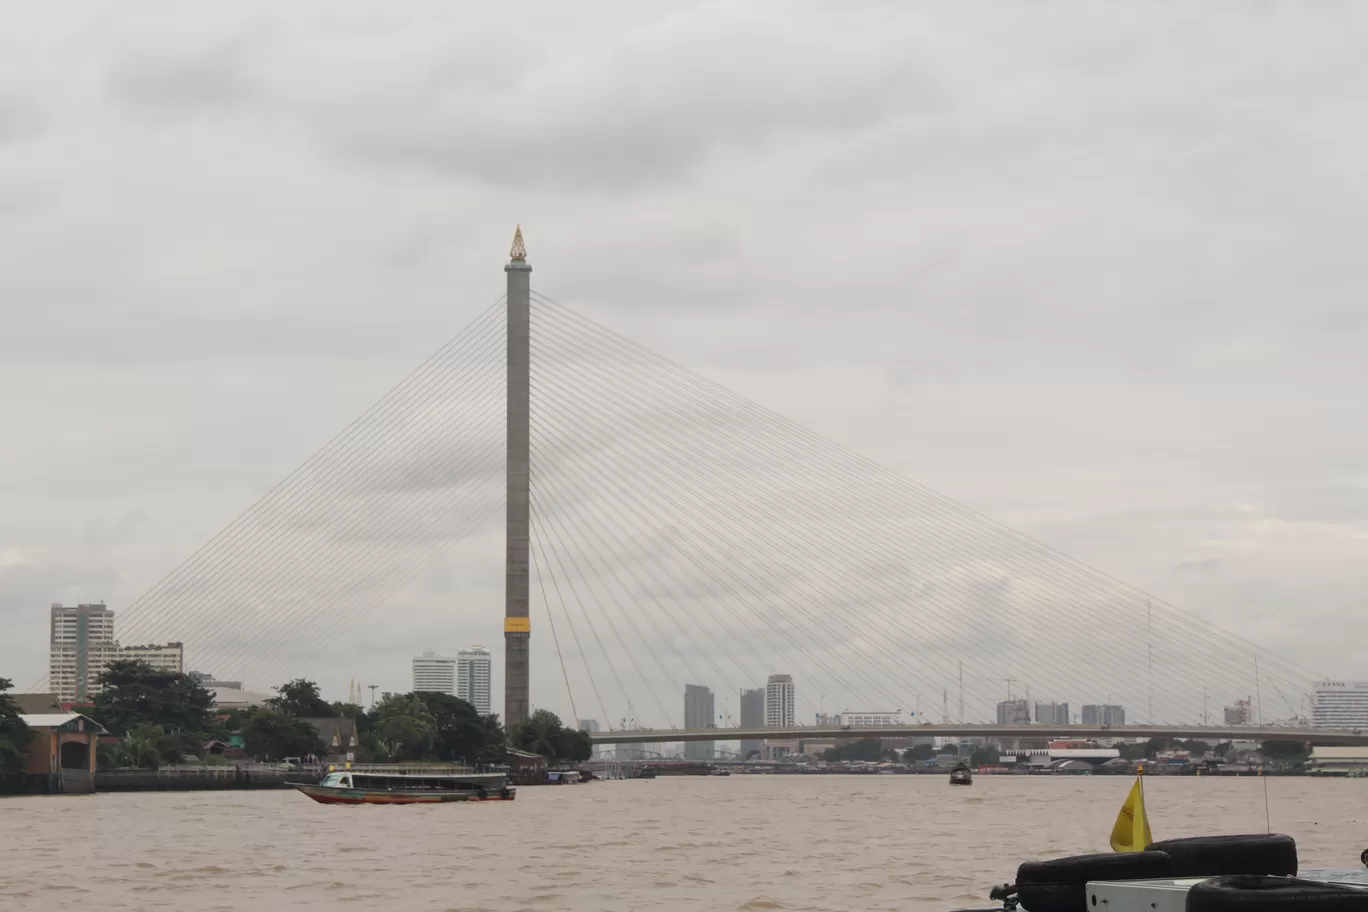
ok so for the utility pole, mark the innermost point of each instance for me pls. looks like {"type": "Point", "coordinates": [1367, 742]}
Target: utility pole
{"type": "Point", "coordinates": [517, 624]}
{"type": "Point", "coordinates": [1205, 723]}
{"type": "Point", "coordinates": [945, 707]}
{"type": "Point", "coordinates": [1010, 682]}
{"type": "Point", "coordinates": [373, 688]}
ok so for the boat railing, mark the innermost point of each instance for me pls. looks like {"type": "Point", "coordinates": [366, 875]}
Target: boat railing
{"type": "Point", "coordinates": [421, 769]}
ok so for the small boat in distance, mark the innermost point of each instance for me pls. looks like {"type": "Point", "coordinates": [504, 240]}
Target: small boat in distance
{"type": "Point", "coordinates": [960, 775]}
{"type": "Point", "coordinates": [405, 787]}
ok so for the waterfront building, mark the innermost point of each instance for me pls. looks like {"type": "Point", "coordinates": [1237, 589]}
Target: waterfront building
{"type": "Point", "coordinates": [1103, 714]}
{"type": "Point", "coordinates": [1052, 713]}
{"type": "Point", "coordinates": [434, 674]}
{"type": "Point", "coordinates": [1013, 712]}
{"type": "Point", "coordinates": [1337, 704]}
{"type": "Point", "coordinates": [752, 716]}
{"type": "Point", "coordinates": [81, 645]}
{"type": "Point", "coordinates": [870, 718]}
{"type": "Point", "coordinates": [699, 712]}
{"type": "Point", "coordinates": [472, 678]}
{"type": "Point", "coordinates": [779, 702]}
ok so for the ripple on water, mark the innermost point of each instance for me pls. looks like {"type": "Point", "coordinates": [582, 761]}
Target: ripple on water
{"type": "Point", "coordinates": [905, 843]}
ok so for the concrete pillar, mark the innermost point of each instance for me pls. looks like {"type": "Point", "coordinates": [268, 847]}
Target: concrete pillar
{"type": "Point", "coordinates": [517, 627]}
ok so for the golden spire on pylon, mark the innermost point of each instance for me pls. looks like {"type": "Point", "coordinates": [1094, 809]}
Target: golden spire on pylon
{"type": "Point", "coordinates": [519, 252]}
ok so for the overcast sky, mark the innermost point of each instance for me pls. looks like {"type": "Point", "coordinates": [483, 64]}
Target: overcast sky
{"type": "Point", "coordinates": [1094, 270]}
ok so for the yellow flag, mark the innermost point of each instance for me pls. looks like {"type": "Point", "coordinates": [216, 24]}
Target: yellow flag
{"type": "Point", "coordinates": [1132, 832]}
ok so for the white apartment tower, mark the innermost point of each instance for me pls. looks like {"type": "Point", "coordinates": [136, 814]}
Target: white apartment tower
{"type": "Point", "coordinates": [779, 702]}
{"type": "Point", "coordinates": [434, 674]}
{"type": "Point", "coordinates": [82, 644]}
{"type": "Point", "coordinates": [472, 677]}
{"type": "Point", "coordinates": [1340, 704]}
{"type": "Point", "coordinates": [166, 657]}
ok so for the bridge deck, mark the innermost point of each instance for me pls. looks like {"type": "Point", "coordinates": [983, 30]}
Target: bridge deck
{"type": "Point", "coordinates": [819, 733]}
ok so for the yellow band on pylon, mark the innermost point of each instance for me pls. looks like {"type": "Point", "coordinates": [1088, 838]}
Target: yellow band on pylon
{"type": "Point", "coordinates": [517, 625]}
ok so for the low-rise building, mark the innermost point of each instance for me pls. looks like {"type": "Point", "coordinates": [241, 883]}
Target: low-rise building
{"type": "Point", "coordinates": [869, 719]}
{"type": "Point", "coordinates": [64, 748]}
{"type": "Point", "coordinates": [339, 737]}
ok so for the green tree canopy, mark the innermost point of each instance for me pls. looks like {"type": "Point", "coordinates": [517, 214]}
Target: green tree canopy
{"type": "Point", "coordinates": [14, 734]}
{"type": "Point", "coordinates": [148, 747]}
{"type": "Point", "coordinates": [919, 753]}
{"type": "Point", "coordinates": [544, 734]}
{"type": "Point", "coordinates": [301, 699]}
{"type": "Point", "coordinates": [985, 756]}
{"type": "Point", "coordinates": [460, 733]}
{"type": "Point", "coordinates": [274, 735]}
{"type": "Point", "coordinates": [404, 727]}
{"type": "Point", "coordinates": [868, 750]}
{"type": "Point", "coordinates": [1288, 753]}
{"type": "Point", "coordinates": [133, 693]}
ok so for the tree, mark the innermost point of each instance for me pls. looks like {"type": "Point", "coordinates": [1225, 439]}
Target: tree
{"type": "Point", "coordinates": [543, 733]}
{"type": "Point", "coordinates": [868, 750]}
{"type": "Point", "coordinates": [404, 726]}
{"type": "Point", "coordinates": [14, 733]}
{"type": "Point", "coordinates": [460, 733]}
{"type": "Point", "coordinates": [274, 735]}
{"type": "Point", "coordinates": [985, 756]}
{"type": "Point", "coordinates": [1287, 753]}
{"type": "Point", "coordinates": [574, 746]}
{"type": "Point", "coordinates": [301, 699]}
{"type": "Point", "coordinates": [147, 747]}
{"type": "Point", "coordinates": [133, 694]}
{"type": "Point", "coordinates": [918, 753]}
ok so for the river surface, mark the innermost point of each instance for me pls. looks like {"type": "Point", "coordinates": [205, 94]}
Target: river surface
{"type": "Point", "coordinates": [741, 842]}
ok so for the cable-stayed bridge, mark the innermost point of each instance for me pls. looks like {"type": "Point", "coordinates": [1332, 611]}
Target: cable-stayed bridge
{"type": "Point", "coordinates": [661, 530]}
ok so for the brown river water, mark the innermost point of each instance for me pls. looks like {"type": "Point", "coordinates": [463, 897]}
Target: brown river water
{"type": "Point", "coordinates": [740, 842]}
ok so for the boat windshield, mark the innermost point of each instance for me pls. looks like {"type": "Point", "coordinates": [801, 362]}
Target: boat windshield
{"type": "Point", "coordinates": [333, 779]}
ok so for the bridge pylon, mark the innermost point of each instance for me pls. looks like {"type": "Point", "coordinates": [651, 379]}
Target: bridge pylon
{"type": "Point", "coordinates": [517, 625]}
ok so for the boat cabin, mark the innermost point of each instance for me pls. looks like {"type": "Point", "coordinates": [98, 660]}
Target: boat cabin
{"type": "Point", "coordinates": [407, 782]}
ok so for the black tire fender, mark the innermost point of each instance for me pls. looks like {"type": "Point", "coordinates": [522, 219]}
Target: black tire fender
{"type": "Point", "coordinates": [1053, 897]}
{"type": "Point", "coordinates": [1079, 869]}
{"type": "Point", "coordinates": [1061, 884]}
{"type": "Point", "coordinates": [1214, 856]}
{"type": "Point", "coordinates": [1264, 893]}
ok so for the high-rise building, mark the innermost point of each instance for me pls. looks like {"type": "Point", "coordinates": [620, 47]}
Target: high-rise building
{"type": "Point", "coordinates": [1052, 713]}
{"type": "Point", "coordinates": [81, 645]}
{"type": "Point", "coordinates": [699, 712]}
{"type": "Point", "coordinates": [1013, 712]}
{"type": "Point", "coordinates": [166, 657]}
{"type": "Point", "coordinates": [1337, 704]}
{"type": "Point", "coordinates": [434, 674]}
{"type": "Point", "coordinates": [752, 716]}
{"type": "Point", "coordinates": [472, 678]}
{"type": "Point", "coordinates": [591, 725]}
{"type": "Point", "coordinates": [1103, 714]}
{"type": "Point", "coordinates": [1238, 714]}
{"type": "Point", "coordinates": [779, 701]}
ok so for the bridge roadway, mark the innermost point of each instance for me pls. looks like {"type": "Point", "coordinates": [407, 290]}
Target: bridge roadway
{"type": "Point", "coordinates": [1325, 737]}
